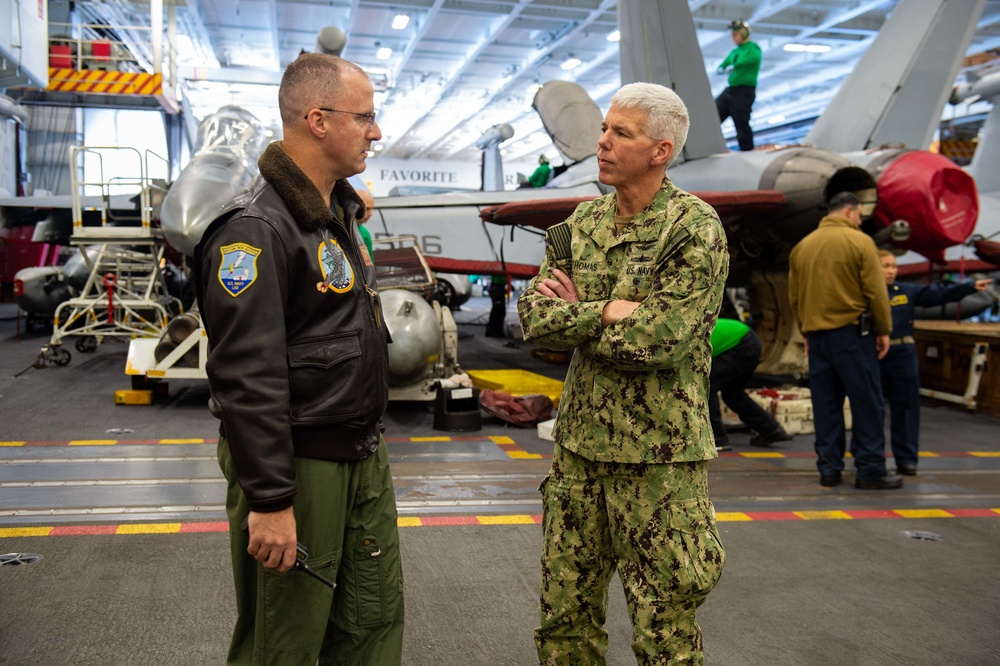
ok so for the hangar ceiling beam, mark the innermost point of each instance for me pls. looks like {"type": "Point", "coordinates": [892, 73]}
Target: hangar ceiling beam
{"type": "Point", "coordinates": [469, 58]}
{"type": "Point", "coordinates": [595, 14]}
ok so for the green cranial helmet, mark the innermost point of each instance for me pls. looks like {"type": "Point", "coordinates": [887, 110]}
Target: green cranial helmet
{"type": "Point", "coordinates": [740, 26]}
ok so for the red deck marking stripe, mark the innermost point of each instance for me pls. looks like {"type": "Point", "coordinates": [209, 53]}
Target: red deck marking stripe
{"type": "Point", "coordinates": [220, 526]}
{"type": "Point", "coordinates": [437, 521]}
{"type": "Point", "coordinates": [772, 515]}
{"type": "Point", "coordinates": [82, 530]}
{"type": "Point", "coordinates": [872, 513]}
{"type": "Point", "coordinates": [972, 513]}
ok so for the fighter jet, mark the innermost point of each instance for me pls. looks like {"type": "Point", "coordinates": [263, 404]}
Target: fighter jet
{"type": "Point", "coordinates": [780, 195]}
{"type": "Point", "coordinates": [886, 112]}
{"type": "Point", "coordinates": [985, 165]}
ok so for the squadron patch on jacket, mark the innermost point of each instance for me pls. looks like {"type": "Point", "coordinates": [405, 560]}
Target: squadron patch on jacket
{"type": "Point", "coordinates": [898, 299]}
{"type": "Point", "coordinates": [335, 268]}
{"type": "Point", "coordinates": [239, 267]}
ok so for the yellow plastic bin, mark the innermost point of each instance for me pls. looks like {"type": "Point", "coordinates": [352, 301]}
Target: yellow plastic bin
{"type": "Point", "coordinates": [517, 382]}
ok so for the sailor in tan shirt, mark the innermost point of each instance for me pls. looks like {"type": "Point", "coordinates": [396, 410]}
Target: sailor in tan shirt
{"type": "Point", "coordinates": [837, 291]}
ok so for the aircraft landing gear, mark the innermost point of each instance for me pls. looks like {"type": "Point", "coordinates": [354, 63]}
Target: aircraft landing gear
{"type": "Point", "coordinates": [52, 355]}
{"type": "Point", "coordinates": [86, 345]}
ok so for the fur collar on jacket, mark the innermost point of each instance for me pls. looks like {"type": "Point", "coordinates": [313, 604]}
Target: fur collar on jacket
{"type": "Point", "coordinates": [300, 195]}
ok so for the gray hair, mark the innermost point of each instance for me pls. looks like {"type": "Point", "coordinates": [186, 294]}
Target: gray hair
{"type": "Point", "coordinates": [667, 116]}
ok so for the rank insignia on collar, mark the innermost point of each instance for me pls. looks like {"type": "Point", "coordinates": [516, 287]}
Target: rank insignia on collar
{"type": "Point", "coordinates": [338, 276]}
{"type": "Point", "coordinates": [239, 267]}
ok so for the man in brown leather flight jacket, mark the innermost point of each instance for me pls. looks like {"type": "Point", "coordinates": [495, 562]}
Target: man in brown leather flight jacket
{"type": "Point", "coordinates": [298, 371]}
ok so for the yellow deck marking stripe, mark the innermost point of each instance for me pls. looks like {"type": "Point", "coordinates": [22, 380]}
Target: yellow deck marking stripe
{"type": "Point", "coordinates": [823, 515]}
{"type": "Point", "coordinates": [922, 513]}
{"type": "Point", "coordinates": [182, 441]}
{"type": "Point", "coordinates": [93, 442]}
{"type": "Point", "coordinates": [408, 522]}
{"type": "Point", "coordinates": [12, 443]}
{"type": "Point", "coordinates": [762, 454]}
{"type": "Point", "coordinates": [149, 528]}
{"type": "Point", "coordinates": [732, 516]}
{"type": "Point", "coordinates": [501, 439]}
{"type": "Point", "coordinates": [6, 532]}
{"type": "Point", "coordinates": [430, 439]}
{"type": "Point", "coordinates": [506, 520]}
{"type": "Point", "coordinates": [985, 454]}
{"type": "Point", "coordinates": [524, 455]}
{"type": "Point", "coordinates": [927, 454]}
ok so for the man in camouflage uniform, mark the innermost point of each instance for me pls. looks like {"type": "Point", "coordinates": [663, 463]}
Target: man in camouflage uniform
{"type": "Point", "coordinates": [632, 282]}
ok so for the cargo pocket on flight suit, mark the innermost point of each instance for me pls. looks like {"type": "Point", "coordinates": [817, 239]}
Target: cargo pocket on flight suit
{"type": "Point", "coordinates": [377, 568]}
{"type": "Point", "coordinates": [698, 549]}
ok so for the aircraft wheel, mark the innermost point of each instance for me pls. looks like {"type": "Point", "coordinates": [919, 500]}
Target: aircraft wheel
{"type": "Point", "coordinates": [444, 293]}
{"type": "Point", "coordinates": [86, 344]}
{"type": "Point", "coordinates": [60, 356]}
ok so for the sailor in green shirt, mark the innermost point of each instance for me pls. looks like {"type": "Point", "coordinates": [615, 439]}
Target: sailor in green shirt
{"type": "Point", "coordinates": [735, 355]}
{"type": "Point", "coordinates": [540, 177]}
{"type": "Point", "coordinates": [743, 64]}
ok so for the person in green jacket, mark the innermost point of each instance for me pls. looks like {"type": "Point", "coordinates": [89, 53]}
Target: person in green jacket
{"type": "Point", "coordinates": [736, 101]}
{"type": "Point", "coordinates": [735, 355]}
{"type": "Point", "coordinates": [540, 176]}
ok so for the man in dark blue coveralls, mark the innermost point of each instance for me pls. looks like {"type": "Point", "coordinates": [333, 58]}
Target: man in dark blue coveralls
{"type": "Point", "coordinates": [836, 288]}
{"type": "Point", "coordinates": [900, 369]}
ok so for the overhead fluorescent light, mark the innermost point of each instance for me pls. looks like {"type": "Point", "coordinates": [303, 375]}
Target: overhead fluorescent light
{"type": "Point", "coordinates": [774, 120]}
{"type": "Point", "coordinates": [571, 63]}
{"type": "Point", "coordinates": [807, 48]}
{"type": "Point", "coordinates": [400, 22]}
{"type": "Point", "coordinates": [384, 53]}
{"type": "Point", "coordinates": [615, 36]}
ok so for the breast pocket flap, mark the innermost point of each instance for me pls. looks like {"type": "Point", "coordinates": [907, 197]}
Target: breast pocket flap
{"type": "Point", "coordinates": [323, 353]}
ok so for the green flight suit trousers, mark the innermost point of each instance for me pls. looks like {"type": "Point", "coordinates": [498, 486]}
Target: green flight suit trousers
{"type": "Point", "coordinates": [345, 516]}
{"type": "Point", "coordinates": [655, 525]}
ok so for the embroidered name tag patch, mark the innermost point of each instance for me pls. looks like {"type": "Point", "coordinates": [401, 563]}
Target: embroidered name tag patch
{"type": "Point", "coordinates": [336, 270]}
{"type": "Point", "coordinates": [239, 267]}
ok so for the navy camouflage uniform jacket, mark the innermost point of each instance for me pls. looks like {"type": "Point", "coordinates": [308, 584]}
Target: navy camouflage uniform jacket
{"type": "Point", "coordinates": [636, 391]}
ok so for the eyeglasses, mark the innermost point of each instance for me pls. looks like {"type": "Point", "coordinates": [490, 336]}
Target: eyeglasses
{"type": "Point", "coordinates": [370, 117]}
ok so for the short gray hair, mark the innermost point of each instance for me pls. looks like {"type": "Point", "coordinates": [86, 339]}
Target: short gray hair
{"type": "Point", "coordinates": [668, 117]}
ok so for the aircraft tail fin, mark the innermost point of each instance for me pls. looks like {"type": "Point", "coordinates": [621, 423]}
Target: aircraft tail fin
{"type": "Point", "coordinates": [659, 44]}
{"type": "Point", "coordinates": [897, 92]}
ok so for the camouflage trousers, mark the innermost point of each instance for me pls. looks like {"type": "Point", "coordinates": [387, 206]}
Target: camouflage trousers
{"type": "Point", "coordinates": [655, 524]}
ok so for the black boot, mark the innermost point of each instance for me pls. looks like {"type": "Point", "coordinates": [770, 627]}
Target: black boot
{"type": "Point", "coordinates": [770, 438]}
